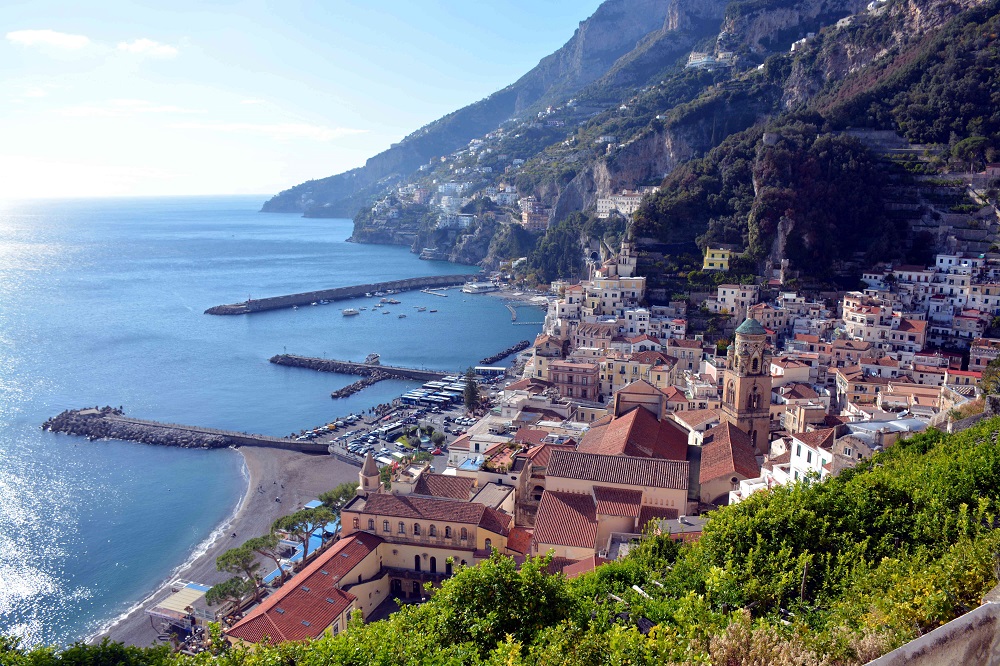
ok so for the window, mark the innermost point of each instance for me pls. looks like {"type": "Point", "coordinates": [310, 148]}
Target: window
{"type": "Point", "coordinates": [798, 451]}
{"type": "Point", "coordinates": [371, 524]}
{"type": "Point", "coordinates": [385, 526]}
{"type": "Point", "coordinates": [416, 529]}
{"type": "Point", "coordinates": [809, 456]}
{"type": "Point", "coordinates": [447, 532]}
{"type": "Point", "coordinates": [433, 530]}
{"type": "Point", "coordinates": [357, 523]}
{"type": "Point", "coordinates": [489, 544]}
{"type": "Point", "coordinates": [402, 527]}
{"type": "Point", "coordinates": [465, 534]}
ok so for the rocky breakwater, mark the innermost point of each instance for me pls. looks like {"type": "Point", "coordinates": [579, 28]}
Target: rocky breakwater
{"type": "Point", "coordinates": [111, 423]}
{"type": "Point", "coordinates": [513, 349]}
{"type": "Point", "coordinates": [359, 385]}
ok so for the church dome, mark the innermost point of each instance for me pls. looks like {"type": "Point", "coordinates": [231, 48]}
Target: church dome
{"type": "Point", "coordinates": [751, 327]}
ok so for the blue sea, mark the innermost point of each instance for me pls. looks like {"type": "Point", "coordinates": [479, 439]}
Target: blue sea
{"type": "Point", "coordinates": [101, 303]}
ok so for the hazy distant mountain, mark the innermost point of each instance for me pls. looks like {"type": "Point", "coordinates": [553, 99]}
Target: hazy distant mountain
{"type": "Point", "coordinates": [616, 42]}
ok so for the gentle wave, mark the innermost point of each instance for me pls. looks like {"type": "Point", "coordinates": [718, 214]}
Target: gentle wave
{"type": "Point", "coordinates": [198, 551]}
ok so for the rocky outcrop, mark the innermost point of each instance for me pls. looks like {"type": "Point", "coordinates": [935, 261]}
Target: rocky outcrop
{"type": "Point", "coordinates": [613, 31]}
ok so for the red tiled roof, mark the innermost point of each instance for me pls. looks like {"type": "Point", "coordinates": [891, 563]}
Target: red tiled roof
{"type": "Point", "coordinates": [530, 436]}
{"type": "Point", "coordinates": [436, 508]}
{"type": "Point", "coordinates": [674, 394]}
{"type": "Point", "coordinates": [308, 603]}
{"type": "Point", "coordinates": [907, 325]}
{"type": "Point", "coordinates": [654, 358]}
{"type": "Point", "coordinates": [697, 417]}
{"type": "Point", "coordinates": [817, 438]}
{"type": "Point", "coordinates": [727, 450]}
{"type": "Point", "coordinates": [439, 485]}
{"type": "Point", "coordinates": [687, 344]}
{"type": "Point", "coordinates": [648, 513]}
{"type": "Point", "coordinates": [519, 540]}
{"type": "Point", "coordinates": [583, 566]}
{"type": "Point", "coordinates": [619, 469]}
{"type": "Point", "coordinates": [566, 519]}
{"type": "Point", "coordinates": [539, 455]}
{"type": "Point", "coordinates": [637, 433]}
{"type": "Point", "coordinates": [617, 501]}
{"type": "Point", "coordinates": [519, 385]}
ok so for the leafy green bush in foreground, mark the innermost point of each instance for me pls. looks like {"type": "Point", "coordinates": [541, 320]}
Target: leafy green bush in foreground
{"type": "Point", "coordinates": [816, 573]}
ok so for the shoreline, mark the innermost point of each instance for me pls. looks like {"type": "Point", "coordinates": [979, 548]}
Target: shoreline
{"type": "Point", "coordinates": [296, 478]}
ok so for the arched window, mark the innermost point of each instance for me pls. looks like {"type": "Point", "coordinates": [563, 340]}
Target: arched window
{"type": "Point", "coordinates": [416, 529]}
{"type": "Point", "coordinates": [731, 392]}
{"type": "Point", "coordinates": [489, 544]}
{"type": "Point", "coordinates": [755, 364]}
{"type": "Point", "coordinates": [371, 524]}
{"type": "Point", "coordinates": [447, 532]}
{"type": "Point", "coordinates": [753, 400]}
{"type": "Point", "coordinates": [433, 530]}
{"type": "Point", "coordinates": [357, 523]}
{"type": "Point", "coordinates": [402, 527]}
{"type": "Point", "coordinates": [385, 525]}
{"type": "Point", "coordinates": [465, 534]}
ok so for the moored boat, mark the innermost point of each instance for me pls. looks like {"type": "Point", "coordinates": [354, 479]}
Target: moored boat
{"type": "Point", "coordinates": [349, 312]}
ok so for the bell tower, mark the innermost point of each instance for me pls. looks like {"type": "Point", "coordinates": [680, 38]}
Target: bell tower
{"type": "Point", "coordinates": [746, 395]}
{"type": "Point", "coordinates": [369, 477]}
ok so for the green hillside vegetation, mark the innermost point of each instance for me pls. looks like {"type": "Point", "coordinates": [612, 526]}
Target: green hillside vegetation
{"type": "Point", "coordinates": [816, 573]}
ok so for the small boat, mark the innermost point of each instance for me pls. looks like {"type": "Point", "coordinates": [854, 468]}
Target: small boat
{"type": "Point", "coordinates": [420, 309]}
{"type": "Point", "coordinates": [349, 312]}
{"type": "Point", "coordinates": [362, 309]}
{"type": "Point", "coordinates": [372, 359]}
{"type": "Point", "coordinates": [368, 294]}
{"type": "Point", "coordinates": [324, 302]}
{"type": "Point", "coordinates": [314, 303]}
{"type": "Point", "coordinates": [433, 310]}
{"type": "Point", "coordinates": [385, 312]}
{"type": "Point", "coordinates": [384, 301]}
{"type": "Point", "coordinates": [295, 307]}
{"type": "Point", "coordinates": [402, 316]}
{"type": "Point", "coordinates": [393, 301]}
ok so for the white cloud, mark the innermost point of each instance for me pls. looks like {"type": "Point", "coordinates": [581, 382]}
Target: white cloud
{"type": "Point", "coordinates": [59, 40]}
{"type": "Point", "coordinates": [120, 108]}
{"type": "Point", "coordinates": [251, 101]}
{"type": "Point", "coordinates": [276, 130]}
{"type": "Point", "coordinates": [148, 47]}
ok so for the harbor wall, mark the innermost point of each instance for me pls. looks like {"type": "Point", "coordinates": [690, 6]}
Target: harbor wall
{"type": "Point", "coordinates": [110, 423]}
{"type": "Point", "coordinates": [277, 302]}
{"type": "Point", "coordinates": [351, 368]}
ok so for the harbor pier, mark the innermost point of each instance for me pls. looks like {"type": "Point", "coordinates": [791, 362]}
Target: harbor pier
{"type": "Point", "coordinates": [360, 369]}
{"type": "Point", "coordinates": [110, 423]}
{"type": "Point", "coordinates": [252, 305]}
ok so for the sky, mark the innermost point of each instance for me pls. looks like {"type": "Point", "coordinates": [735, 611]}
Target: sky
{"type": "Point", "coordinates": [180, 97]}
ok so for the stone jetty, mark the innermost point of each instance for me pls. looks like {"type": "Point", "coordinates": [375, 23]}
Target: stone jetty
{"type": "Point", "coordinates": [513, 349]}
{"type": "Point", "coordinates": [359, 385]}
{"type": "Point", "coordinates": [110, 423]}
{"type": "Point", "coordinates": [360, 369]}
{"type": "Point", "coordinates": [252, 305]}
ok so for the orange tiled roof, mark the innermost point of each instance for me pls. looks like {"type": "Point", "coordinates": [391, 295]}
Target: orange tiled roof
{"type": "Point", "coordinates": [726, 451]}
{"type": "Point", "coordinates": [637, 433]}
{"type": "Point", "coordinates": [818, 439]}
{"type": "Point", "coordinates": [619, 469]}
{"type": "Point", "coordinates": [617, 501]}
{"type": "Point", "coordinates": [566, 519]}
{"type": "Point", "coordinates": [439, 485]}
{"type": "Point", "coordinates": [519, 540]}
{"type": "Point", "coordinates": [308, 603]}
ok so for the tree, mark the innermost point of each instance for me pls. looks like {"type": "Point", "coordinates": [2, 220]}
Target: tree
{"type": "Point", "coordinates": [302, 524]}
{"type": "Point", "coordinates": [438, 438]}
{"type": "Point", "coordinates": [990, 381]}
{"type": "Point", "coordinates": [337, 498]}
{"type": "Point", "coordinates": [269, 546]}
{"type": "Point", "coordinates": [471, 392]}
{"type": "Point", "coordinates": [240, 560]}
{"type": "Point", "coordinates": [235, 590]}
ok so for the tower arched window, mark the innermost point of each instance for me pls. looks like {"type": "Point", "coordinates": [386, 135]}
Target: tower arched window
{"type": "Point", "coordinates": [753, 400]}
{"type": "Point", "coordinates": [755, 365]}
{"type": "Point", "coordinates": [731, 393]}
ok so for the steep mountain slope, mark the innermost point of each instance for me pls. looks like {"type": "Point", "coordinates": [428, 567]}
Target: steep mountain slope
{"type": "Point", "coordinates": [611, 33]}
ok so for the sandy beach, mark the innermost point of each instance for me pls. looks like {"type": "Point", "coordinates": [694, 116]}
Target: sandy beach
{"type": "Point", "coordinates": [295, 478]}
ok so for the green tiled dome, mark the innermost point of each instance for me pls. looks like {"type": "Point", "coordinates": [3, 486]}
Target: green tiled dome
{"type": "Point", "coordinates": [751, 327]}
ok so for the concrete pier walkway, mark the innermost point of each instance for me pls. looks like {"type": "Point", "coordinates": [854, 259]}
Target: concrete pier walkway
{"type": "Point", "coordinates": [252, 305]}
